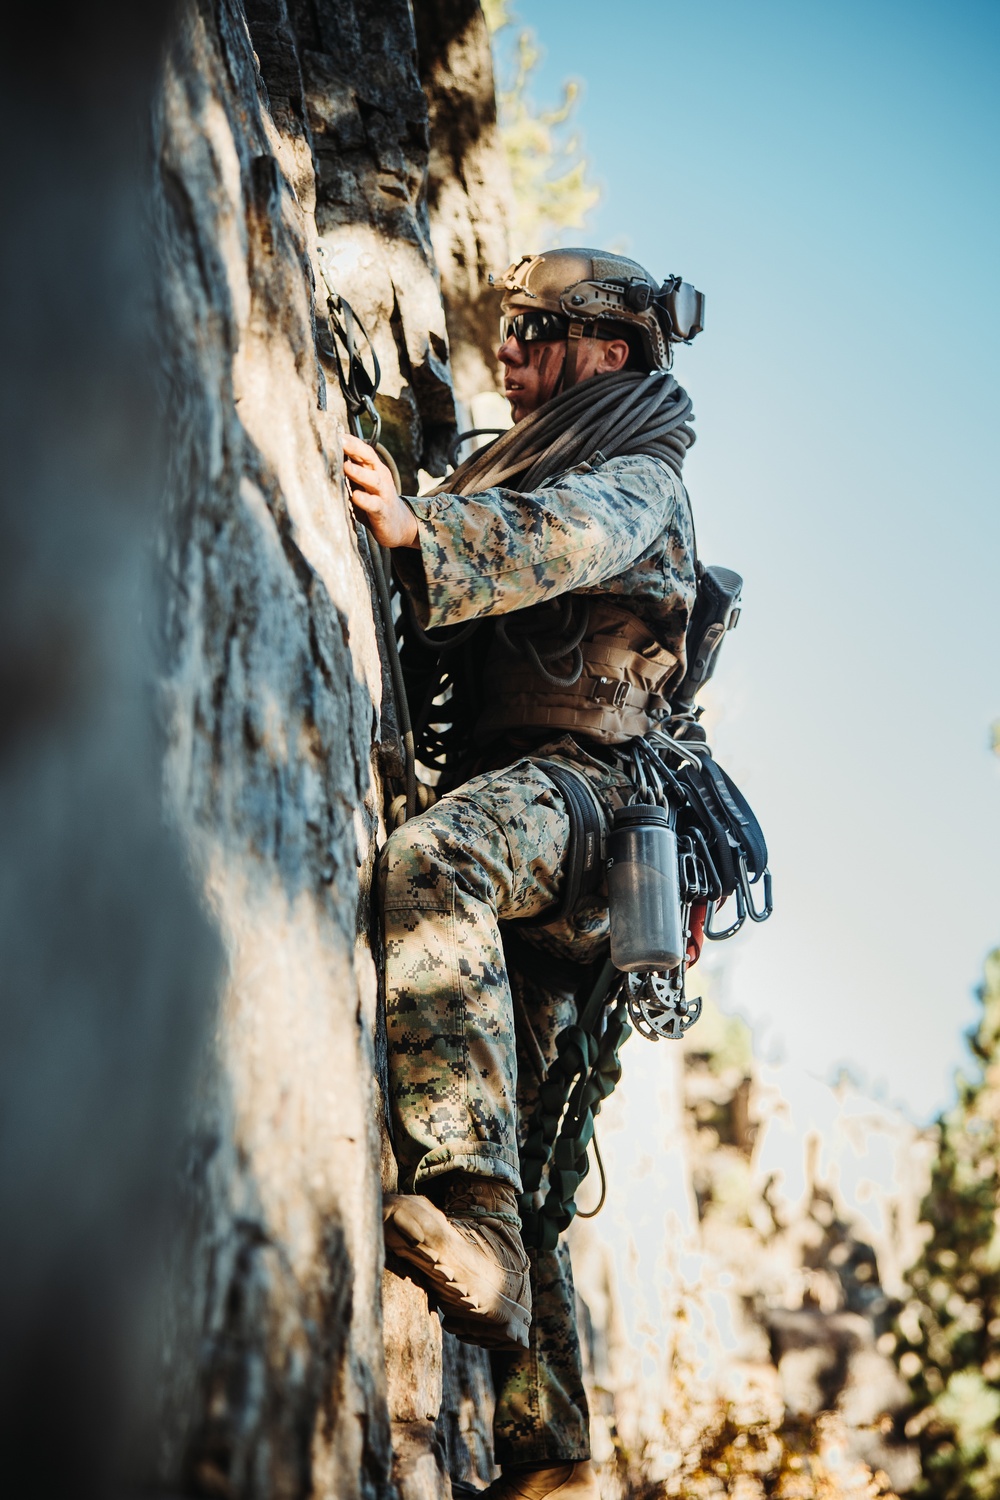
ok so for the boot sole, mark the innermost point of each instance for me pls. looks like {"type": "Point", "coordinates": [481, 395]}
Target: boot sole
{"type": "Point", "coordinates": [485, 1336]}
{"type": "Point", "coordinates": [505, 1323]}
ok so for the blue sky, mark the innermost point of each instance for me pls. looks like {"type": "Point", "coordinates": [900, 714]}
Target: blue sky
{"type": "Point", "coordinates": [828, 175]}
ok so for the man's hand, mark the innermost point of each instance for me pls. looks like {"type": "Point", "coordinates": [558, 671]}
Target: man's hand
{"type": "Point", "coordinates": [390, 520]}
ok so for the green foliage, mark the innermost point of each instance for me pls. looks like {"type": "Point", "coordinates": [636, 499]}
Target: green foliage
{"type": "Point", "coordinates": [552, 192]}
{"type": "Point", "coordinates": [949, 1332]}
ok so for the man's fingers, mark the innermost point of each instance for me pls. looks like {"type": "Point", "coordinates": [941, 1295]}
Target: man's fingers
{"type": "Point", "coordinates": [365, 500]}
{"type": "Point", "coordinates": [361, 474]}
{"type": "Point", "coordinates": [358, 448]}
{"type": "Point", "coordinates": [373, 492]}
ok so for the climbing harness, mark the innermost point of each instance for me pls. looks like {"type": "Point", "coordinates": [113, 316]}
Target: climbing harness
{"type": "Point", "coordinates": [585, 859]}
{"type": "Point", "coordinates": [721, 853]}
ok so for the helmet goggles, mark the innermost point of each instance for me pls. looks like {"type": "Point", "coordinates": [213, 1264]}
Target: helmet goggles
{"type": "Point", "coordinates": [535, 326]}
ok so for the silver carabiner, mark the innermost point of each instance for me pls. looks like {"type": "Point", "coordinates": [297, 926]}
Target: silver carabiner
{"type": "Point", "coordinates": [756, 914]}
{"type": "Point", "coordinates": [741, 916]}
{"type": "Point", "coordinates": [694, 876]}
{"type": "Point", "coordinates": [376, 421]}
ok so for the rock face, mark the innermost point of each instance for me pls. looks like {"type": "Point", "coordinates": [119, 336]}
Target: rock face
{"type": "Point", "coordinates": [469, 188]}
{"type": "Point", "coordinates": [289, 141]}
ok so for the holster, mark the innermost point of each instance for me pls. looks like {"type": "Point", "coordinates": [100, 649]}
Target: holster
{"type": "Point", "coordinates": [620, 690]}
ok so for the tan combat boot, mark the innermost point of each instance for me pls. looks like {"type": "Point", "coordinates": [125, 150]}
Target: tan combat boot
{"type": "Point", "coordinates": [567, 1481]}
{"type": "Point", "coordinates": [470, 1257]}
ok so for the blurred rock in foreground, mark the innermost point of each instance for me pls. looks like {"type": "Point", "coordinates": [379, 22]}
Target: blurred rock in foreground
{"type": "Point", "coordinates": [108, 966]}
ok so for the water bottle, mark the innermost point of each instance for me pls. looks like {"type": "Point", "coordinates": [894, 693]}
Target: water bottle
{"type": "Point", "coordinates": [643, 892]}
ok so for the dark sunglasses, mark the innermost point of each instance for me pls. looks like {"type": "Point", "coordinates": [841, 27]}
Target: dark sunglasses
{"type": "Point", "coordinates": [533, 327]}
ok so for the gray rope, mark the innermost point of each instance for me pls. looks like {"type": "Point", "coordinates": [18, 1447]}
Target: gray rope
{"type": "Point", "coordinates": [608, 415]}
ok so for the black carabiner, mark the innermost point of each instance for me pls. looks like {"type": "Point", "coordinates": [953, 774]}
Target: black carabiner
{"type": "Point", "coordinates": [693, 877]}
{"type": "Point", "coordinates": [741, 916]}
{"type": "Point", "coordinates": [368, 407]}
{"type": "Point", "coordinates": [756, 914]}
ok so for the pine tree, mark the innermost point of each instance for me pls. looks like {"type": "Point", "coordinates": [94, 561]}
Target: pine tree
{"type": "Point", "coordinates": [553, 192]}
{"type": "Point", "coordinates": [949, 1331]}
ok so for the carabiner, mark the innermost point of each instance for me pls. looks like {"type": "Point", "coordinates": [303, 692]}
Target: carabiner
{"type": "Point", "coordinates": [369, 406]}
{"type": "Point", "coordinates": [693, 877]}
{"type": "Point", "coordinates": [741, 916]}
{"type": "Point", "coordinates": [754, 913]}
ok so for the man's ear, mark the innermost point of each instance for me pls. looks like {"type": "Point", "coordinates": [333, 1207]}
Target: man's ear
{"type": "Point", "coordinates": [614, 357]}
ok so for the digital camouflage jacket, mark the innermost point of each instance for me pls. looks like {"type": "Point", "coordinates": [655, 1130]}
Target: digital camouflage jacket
{"type": "Point", "coordinates": [620, 529]}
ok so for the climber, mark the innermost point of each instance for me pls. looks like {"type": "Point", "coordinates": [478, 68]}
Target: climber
{"type": "Point", "coordinates": [584, 570]}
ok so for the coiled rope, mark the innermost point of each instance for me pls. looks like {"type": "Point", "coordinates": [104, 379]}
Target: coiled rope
{"type": "Point", "coordinates": [609, 415]}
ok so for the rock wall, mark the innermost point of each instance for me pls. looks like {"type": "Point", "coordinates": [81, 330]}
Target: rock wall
{"type": "Point", "coordinates": [283, 132]}
{"type": "Point", "coordinates": [469, 187]}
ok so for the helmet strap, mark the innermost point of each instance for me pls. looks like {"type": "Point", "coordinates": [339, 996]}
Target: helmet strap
{"type": "Point", "coordinates": [573, 337]}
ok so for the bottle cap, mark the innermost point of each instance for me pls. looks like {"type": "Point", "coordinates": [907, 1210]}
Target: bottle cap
{"type": "Point", "coordinates": [641, 812]}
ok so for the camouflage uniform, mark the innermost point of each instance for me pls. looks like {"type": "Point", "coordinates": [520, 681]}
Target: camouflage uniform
{"type": "Point", "coordinates": [494, 851]}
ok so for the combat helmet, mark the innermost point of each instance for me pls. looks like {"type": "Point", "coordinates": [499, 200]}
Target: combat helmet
{"type": "Point", "coordinates": [593, 294]}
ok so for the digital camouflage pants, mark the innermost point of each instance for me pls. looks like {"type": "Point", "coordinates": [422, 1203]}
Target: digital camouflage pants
{"type": "Point", "coordinates": [460, 1082]}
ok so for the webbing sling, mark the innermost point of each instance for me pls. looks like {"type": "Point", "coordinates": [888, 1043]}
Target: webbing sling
{"type": "Point", "coordinates": [585, 1071]}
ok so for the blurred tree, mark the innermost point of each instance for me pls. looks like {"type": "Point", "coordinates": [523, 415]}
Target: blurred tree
{"type": "Point", "coordinates": [552, 189]}
{"type": "Point", "coordinates": [948, 1332]}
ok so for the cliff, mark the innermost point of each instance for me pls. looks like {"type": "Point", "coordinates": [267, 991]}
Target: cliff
{"type": "Point", "coordinates": [283, 134]}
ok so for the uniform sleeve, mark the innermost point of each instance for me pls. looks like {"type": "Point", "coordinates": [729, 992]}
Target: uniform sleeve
{"type": "Point", "coordinates": [501, 550]}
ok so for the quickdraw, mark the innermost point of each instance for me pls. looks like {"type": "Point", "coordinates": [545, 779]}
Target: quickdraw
{"type": "Point", "coordinates": [358, 387]}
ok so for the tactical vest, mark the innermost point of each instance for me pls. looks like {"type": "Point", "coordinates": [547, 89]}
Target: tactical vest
{"type": "Point", "coordinates": [609, 682]}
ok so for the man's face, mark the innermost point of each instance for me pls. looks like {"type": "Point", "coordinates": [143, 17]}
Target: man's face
{"type": "Point", "coordinates": [531, 370]}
